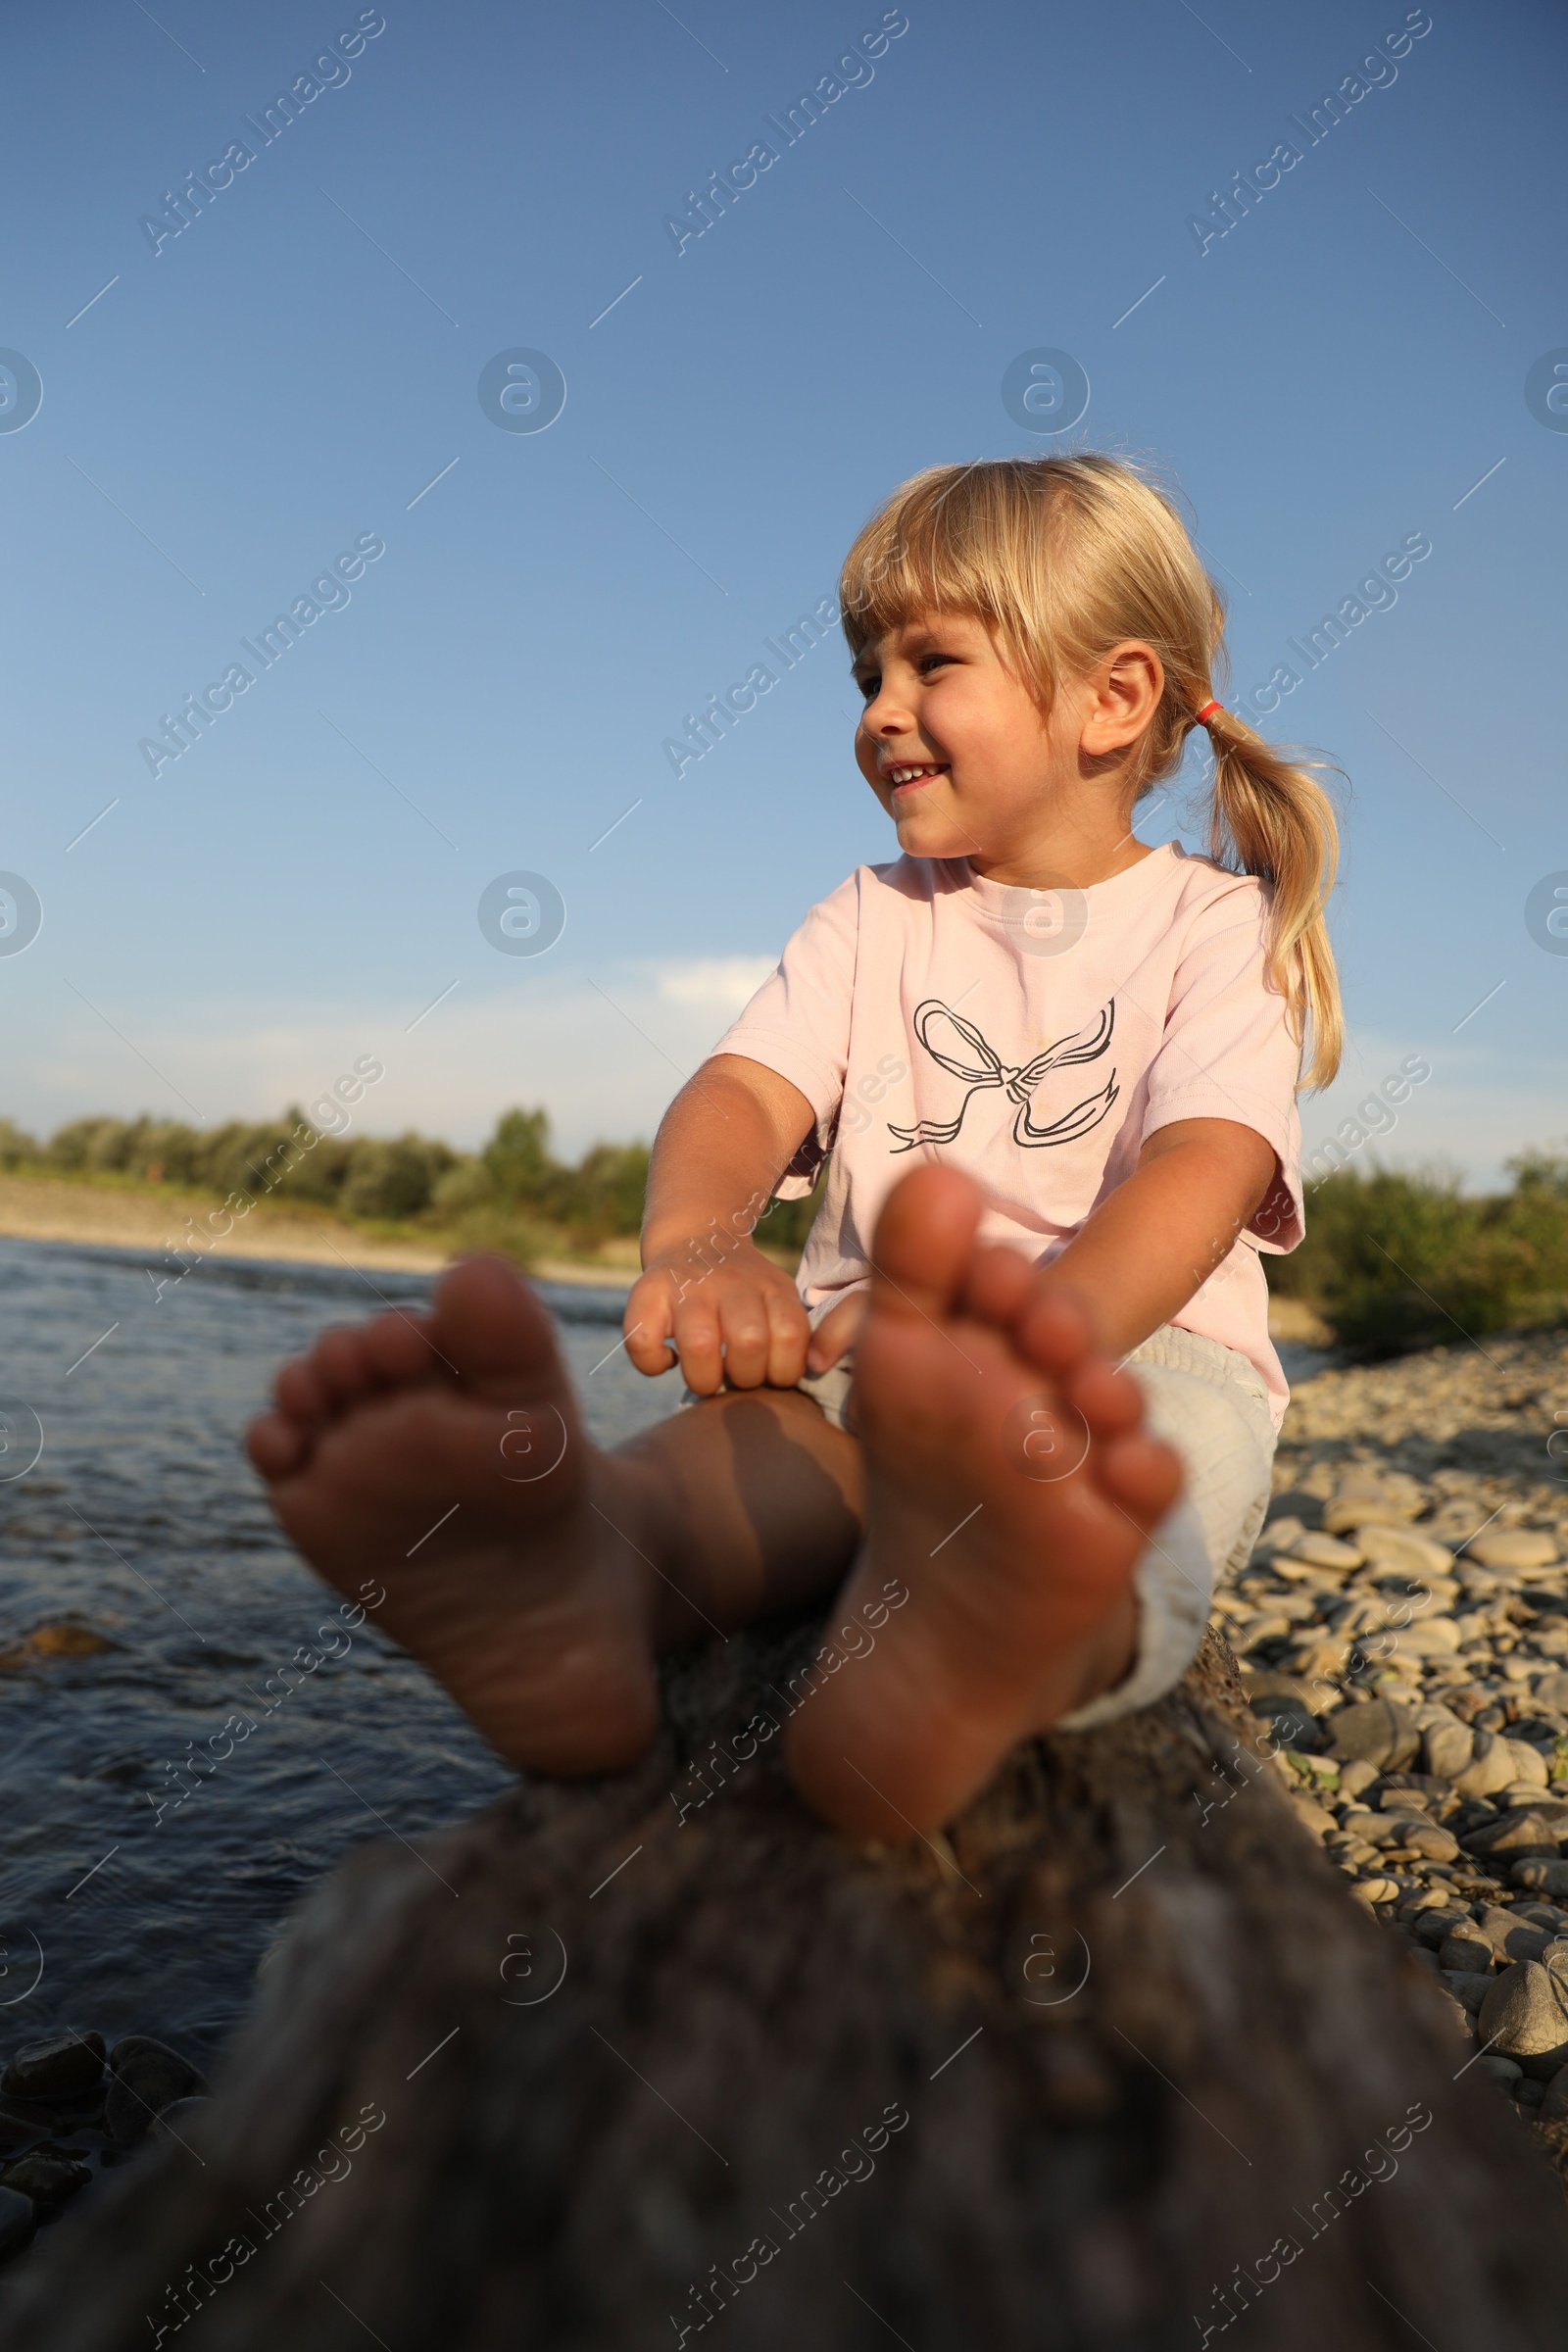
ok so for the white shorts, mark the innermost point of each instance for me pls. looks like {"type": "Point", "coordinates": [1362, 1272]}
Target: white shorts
{"type": "Point", "coordinates": [1209, 1402]}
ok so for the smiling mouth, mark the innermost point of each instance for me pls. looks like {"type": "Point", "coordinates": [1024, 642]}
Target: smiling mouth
{"type": "Point", "coordinates": [904, 777]}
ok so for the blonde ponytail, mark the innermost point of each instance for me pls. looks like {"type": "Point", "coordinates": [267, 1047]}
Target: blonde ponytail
{"type": "Point", "coordinates": [1273, 819]}
{"type": "Point", "coordinates": [1065, 558]}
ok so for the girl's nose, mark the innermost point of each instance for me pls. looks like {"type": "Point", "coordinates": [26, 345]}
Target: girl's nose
{"type": "Point", "coordinates": [884, 714]}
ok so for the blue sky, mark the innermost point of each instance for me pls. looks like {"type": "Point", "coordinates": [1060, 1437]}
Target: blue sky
{"type": "Point", "coordinates": [1345, 370]}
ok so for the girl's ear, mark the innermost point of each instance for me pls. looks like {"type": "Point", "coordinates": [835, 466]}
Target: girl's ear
{"type": "Point", "coordinates": [1126, 688]}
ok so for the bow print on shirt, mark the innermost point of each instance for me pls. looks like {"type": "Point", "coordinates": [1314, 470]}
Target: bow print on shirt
{"type": "Point", "coordinates": [986, 1068]}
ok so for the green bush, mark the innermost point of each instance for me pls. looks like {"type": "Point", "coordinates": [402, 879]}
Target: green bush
{"type": "Point", "coordinates": [88, 1143]}
{"type": "Point", "coordinates": [510, 1231]}
{"type": "Point", "coordinates": [256, 1157]}
{"type": "Point", "coordinates": [465, 1187]}
{"type": "Point", "coordinates": [517, 1159]}
{"type": "Point", "coordinates": [601, 1198]}
{"type": "Point", "coordinates": [393, 1179]}
{"type": "Point", "coordinates": [1395, 1261]}
{"type": "Point", "coordinates": [785, 1224]}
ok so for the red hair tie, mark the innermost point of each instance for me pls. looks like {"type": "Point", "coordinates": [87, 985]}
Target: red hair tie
{"type": "Point", "coordinates": [1203, 716]}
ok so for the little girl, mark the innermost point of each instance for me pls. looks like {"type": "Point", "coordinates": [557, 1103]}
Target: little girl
{"type": "Point", "coordinates": [1087, 1051]}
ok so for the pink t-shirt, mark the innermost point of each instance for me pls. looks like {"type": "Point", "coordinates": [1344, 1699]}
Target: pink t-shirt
{"type": "Point", "coordinates": [1035, 1039]}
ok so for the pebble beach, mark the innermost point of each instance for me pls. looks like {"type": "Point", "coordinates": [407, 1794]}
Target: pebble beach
{"type": "Point", "coordinates": [1402, 1628]}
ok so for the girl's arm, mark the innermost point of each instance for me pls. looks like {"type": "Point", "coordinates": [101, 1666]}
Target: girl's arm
{"type": "Point", "coordinates": [1158, 1238]}
{"type": "Point", "coordinates": [721, 1150]}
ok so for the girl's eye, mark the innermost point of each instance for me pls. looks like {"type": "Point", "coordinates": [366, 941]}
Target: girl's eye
{"type": "Point", "coordinates": [871, 686]}
{"type": "Point", "coordinates": [930, 661]}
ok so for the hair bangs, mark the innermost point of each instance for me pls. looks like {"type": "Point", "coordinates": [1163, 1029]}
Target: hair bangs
{"type": "Point", "coordinates": [934, 547]}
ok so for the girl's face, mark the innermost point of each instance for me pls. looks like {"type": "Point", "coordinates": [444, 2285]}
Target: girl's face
{"type": "Point", "coordinates": [956, 749]}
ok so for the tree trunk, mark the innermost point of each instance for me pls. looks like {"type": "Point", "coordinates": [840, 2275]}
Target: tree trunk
{"type": "Point", "coordinates": [1111, 2072]}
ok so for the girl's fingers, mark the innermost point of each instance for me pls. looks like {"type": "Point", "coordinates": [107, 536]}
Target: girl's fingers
{"type": "Point", "coordinates": [648, 1321]}
{"type": "Point", "coordinates": [696, 1336]}
{"type": "Point", "coordinates": [789, 1333]}
{"type": "Point", "coordinates": [744, 1328]}
{"type": "Point", "coordinates": [837, 1331]}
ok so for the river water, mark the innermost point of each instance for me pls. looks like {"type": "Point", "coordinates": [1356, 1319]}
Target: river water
{"type": "Point", "coordinates": [143, 1520]}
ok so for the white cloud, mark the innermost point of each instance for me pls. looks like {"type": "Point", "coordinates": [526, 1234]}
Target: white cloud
{"type": "Point", "coordinates": [603, 1061]}
{"type": "Point", "coordinates": [722, 984]}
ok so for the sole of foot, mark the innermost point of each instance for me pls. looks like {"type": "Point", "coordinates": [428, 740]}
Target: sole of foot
{"type": "Point", "coordinates": [441, 1456]}
{"type": "Point", "coordinates": [1010, 1490]}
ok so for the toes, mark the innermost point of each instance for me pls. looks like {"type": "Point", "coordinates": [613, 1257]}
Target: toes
{"type": "Point", "coordinates": [1142, 1474]}
{"type": "Point", "coordinates": [997, 1285]}
{"type": "Point", "coordinates": [276, 1445]}
{"type": "Point", "coordinates": [300, 1392]}
{"type": "Point", "coordinates": [398, 1347]}
{"type": "Point", "coordinates": [488, 1323]}
{"type": "Point", "coordinates": [1110, 1400]}
{"type": "Point", "coordinates": [924, 1243]}
{"type": "Point", "coordinates": [1054, 1331]}
{"type": "Point", "coordinates": [341, 1364]}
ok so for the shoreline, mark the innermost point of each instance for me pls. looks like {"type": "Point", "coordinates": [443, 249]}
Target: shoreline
{"type": "Point", "coordinates": [111, 1217]}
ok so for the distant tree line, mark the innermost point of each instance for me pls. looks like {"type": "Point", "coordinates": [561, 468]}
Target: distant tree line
{"type": "Point", "coordinates": [513, 1195]}
{"type": "Point", "coordinates": [1391, 1260]}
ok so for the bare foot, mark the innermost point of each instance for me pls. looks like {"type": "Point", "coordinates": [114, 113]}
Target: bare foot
{"type": "Point", "coordinates": [442, 1454]}
{"type": "Point", "coordinates": [1010, 1488]}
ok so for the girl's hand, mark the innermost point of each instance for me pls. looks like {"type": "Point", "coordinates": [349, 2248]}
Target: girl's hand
{"type": "Point", "coordinates": [837, 1332]}
{"type": "Point", "coordinates": [742, 1321]}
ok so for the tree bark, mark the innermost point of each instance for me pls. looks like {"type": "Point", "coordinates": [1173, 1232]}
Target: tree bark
{"type": "Point", "coordinates": [1104, 2073]}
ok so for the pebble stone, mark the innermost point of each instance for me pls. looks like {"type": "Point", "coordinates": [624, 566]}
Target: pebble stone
{"type": "Point", "coordinates": [1346, 1515]}
{"type": "Point", "coordinates": [64, 2067]}
{"type": "Point", "coordinates": [47, 2180]}
{"type": "Point", "coordinates": [1402, 1624]}
{"type": "Point", "coordinates": [1325, 1551]}
{"type": "Point", "coordinates": [146, 2078]}
{"type": "Point", "coordinates": [1514, 1547]}
{"type": "Point", "coordinates": [1525, 2018]}
{"type": "Point", "coordinates": [58, 2122]}
{"type": "Point", "coordinates": [1405, 1547]}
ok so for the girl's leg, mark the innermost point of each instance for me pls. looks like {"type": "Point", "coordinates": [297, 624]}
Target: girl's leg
{"type": "Point", "coordinates": [758, 1505]}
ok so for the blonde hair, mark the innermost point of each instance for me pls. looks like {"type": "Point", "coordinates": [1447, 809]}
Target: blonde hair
{"type": "Point", "coordinates": [1064, 557]}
